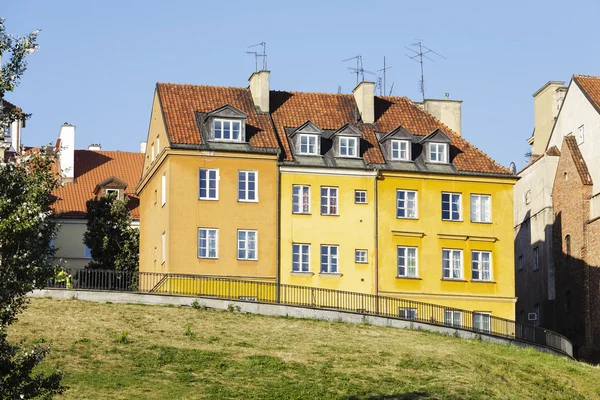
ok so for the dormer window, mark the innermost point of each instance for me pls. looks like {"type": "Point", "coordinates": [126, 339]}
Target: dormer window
{"type": "Point", "coordinates": [348, 147]}
{"type": "Point", "coordinates": [400, 150]}
{"type": "Point", "coordinates": [227, 130]}
{"type": "Point", "coordinates": [113, 192]}
{"type": "Point", "coordinates": [308, 144]}
{"type": "Point", "coordinates": [438, 152]}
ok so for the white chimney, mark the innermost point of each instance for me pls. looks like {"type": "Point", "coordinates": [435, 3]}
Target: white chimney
{"type": "Point", "coordinates": [67, 151]}
{"type": "Point", "coordinates": [364, 95]}
{"type": "Point", "coordinates": [95, 147]}
{"type": "Point", "coordinates": [143, 147]}
{"type": "Point", "coordinates": [447, 111]}
{"type": "Point", "coordinates": [259, 87]}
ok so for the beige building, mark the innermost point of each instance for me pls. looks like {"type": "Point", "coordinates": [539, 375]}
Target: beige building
{"type": "Point", "coordinates": [10, 139]}
{"type": "Point", "coordinates": [88, 174]}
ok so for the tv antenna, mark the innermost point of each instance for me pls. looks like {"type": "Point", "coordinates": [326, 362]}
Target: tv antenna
{"type": "Point", "coordinates": [418, 57]}
{"type": "Point", "coordinates": [359, 70]}
{"type": "Point", "coordinates": [339, 89]}
{"type": "Point", "coordinates": [379, 81]}
{"type": "Point", "coordinates": [258, 55]}
{"type": "Point", "coordinates": [392, 88]}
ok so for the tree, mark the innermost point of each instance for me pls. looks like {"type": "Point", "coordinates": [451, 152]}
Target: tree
{"type": "Point", "coordinates": [26, 229]}
{"type": "Point", "coordinates": [114, 244]}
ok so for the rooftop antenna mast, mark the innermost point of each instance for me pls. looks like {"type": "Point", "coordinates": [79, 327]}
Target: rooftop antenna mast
{"type": "Point", "coordinates": [383, 70]}
{"type": "Point", "coordinates": [359, 70]}
{"type": "Point", "coordinates": [418, 57]}
{"type": "Point", "coordinates": [258, 55]}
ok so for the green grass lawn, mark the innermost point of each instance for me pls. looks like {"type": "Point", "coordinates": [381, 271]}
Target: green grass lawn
{"type": "Point", "coordinates": [116, 351]}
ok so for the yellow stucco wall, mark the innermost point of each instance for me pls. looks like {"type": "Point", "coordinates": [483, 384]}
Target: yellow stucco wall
{"type": "Point", "coordinates": [430, 234]}
{"type": "Point", "coordinates": [352, 229]}
{"type": "Point", "coordinates": [157, 135]}
{"type": "Point", "coordinates": [184, 213]}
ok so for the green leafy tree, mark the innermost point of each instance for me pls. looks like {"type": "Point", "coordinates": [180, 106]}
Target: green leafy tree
{"type": "Point", "coordinates": [114, 244]}
{"type": "Point", "coordinates": [26, 229]}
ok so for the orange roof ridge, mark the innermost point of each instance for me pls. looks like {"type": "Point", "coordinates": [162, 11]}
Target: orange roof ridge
{"type": "Point", "coordinates": [202, 86]}
{"type": "Point", "coordinates": [578, 159]}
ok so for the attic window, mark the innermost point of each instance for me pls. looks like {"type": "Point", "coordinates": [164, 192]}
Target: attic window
{"type": "Point", "coordinates": [400, 150]}
{"type": "Point", "coordinates": [308, 144]}
{"type": "Point", "coordinates": [227, 130]}
{"type": "Point", "coordinates": [348, 147]}
{"type": "Point", "coordinates": [438, 152]}
{"type": "Point", "coordinates": [114, 192]}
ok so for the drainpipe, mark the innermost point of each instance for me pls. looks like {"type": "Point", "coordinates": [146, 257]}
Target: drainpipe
{"type": "Point", "coordinates": [376, 250]}
{"type": "Point", "coordinates": [278, 238]}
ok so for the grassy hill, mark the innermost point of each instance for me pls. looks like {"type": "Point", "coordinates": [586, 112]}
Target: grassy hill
{"type": "Point", "coordinates": [120, 351]}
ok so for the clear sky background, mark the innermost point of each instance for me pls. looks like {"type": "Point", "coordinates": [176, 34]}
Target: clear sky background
{"type": "Point", "coordinates": [99, 61]}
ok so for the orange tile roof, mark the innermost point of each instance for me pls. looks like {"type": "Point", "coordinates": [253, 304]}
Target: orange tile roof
{"type": "Point", "coordinates": [328, 111]}
{"type": "Point", "coordinates": [332, 111]}
{"type": "Point", "coordinates": [91, 168]}
{"type": "Point", "coordinates": [10, 105]}
{"type": "Point", "coordinates": [580, 164]}
{"type": "Point", "coordinates": [181, 102]}
{"type": "Point", "coordinates": [591, 88]}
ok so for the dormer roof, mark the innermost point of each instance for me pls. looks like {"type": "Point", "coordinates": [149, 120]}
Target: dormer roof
{"type": "Point", "coordinates": [437, 136]}
{"type": "Point", "coordinates": [227, 111]}
{"type": "Point", "coordinates": [348, 130]}
{"type": "Point", "coordinates": [113, 181]}
{"type": "Point", "coordinates": [398, 133]}
{"type": "Point", "coordinates": [308, 128]}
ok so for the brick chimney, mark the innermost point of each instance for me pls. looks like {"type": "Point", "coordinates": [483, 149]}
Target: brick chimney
{"type": "Point", "coordinates": [364, 95]}
{"type": "Point", "coordinates": [259, 87]}
{"type": "Point", "coordinates": [67, 151]}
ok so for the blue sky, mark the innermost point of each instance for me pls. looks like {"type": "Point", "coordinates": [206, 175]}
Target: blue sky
{"type": "Point", "coordinates": [99, 60]}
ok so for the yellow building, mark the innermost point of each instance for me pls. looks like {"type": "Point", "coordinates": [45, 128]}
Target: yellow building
{"type": "Point", "coordinates": [209, 185]}
{"type": "Point", "coordinates": [357, 192]}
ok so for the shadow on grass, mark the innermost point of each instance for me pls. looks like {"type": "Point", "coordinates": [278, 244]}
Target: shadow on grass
{"type": "Point", "coordinates": [404, 396]}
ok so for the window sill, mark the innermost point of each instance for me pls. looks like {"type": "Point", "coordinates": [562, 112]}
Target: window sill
{"type": "Point", "coordinates": [481, 281]}
{"type": "Point", "coordinates": [361, 262]}
{"type": "Point", "coordinates": [298, 273]}
{"type": "Point", "coordinates": [301, 213]}
{"type": "Point", "coordinates": [482, 222]}
{"type": "Point", "coordinates": [206, 199]}
{"type": "Point", "coordinates": [413, 218]}
{"type": "Point", "coordinates": [330, 215]}
{"type": "Point", "coordinates": [247, 201]}
{"type": "Point", "coordinates": [452, 220]}
{"type": "Point", "coordinates": [208, 258]}
{"type": "Point", "coordinates": [454, 280]}
{"type": "Point", "coordinates": [361, 203]}
{"type": "Point", "coordinates": [332, 274]}
{"type": "Point", "coordinates": [247, 259]}
{"type": "Point", "coordinates": [414, 278]}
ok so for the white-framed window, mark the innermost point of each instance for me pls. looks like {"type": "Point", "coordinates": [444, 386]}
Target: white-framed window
{"type": "Point", "coordinates": [87, 252]}
{"type": "Point", "coordinates": [527, 197]}
{"type": "Point", "coordinates": [401, 150]}
{"type": "Point", "coordinates": [163, 248]}
{"type": "Point", "coordinates": [329, 200]}
{"type": "Point", "coordinates": [360, 196]}
{"type": "Point", "coordinates": [348, 147]}
{"type": "Point", "coordinates": [536, 258]}
{"type": "Point", "coordinates": [208, 243]}
{"type": "Point", "coordinates": [300, 199]}
{"type": "Point", "coordinates": [308, 145]}
{"type": "Point", "coordinates": [360, 256]}
{"type": "Point", "coordinates": [482, 321]}
{"type": "Point", "coordinates": [453, 318]}
{"type": "Point", "coordinates": [481, 265]}
{"type": "Point", "coordinates": [157, 145]}
{"type": "Point", "coordinates": [329, 259]}
{"type": "Point", "coordinates": [248, 186]}
{"type": "Point", "coordinates": [407, 313]}
{"type": "Point", "coordinates": [406, 204]}
{"type": "Point", "coordinates": [580, 134]}
{"type": "Point", "coordinates": [227, 130]}
{"type": "Point", "coordinates": [152, 151]}
{"type": "Point", "coordinates": [300, 257]}
{"type": "Point", "coordinates": [163, 189]}
{"type": "Point", "coordinates": [481, 208]}
{"type": "Point", "coordinates": [114, 192]}
{"type": "Point", "coordinates": [407, 262]}
{"type": "Point", "coordinates": [438, 152]}
{"type": "Point", "coordinates": [451, 206]}
{"type": "Point", "coordinates": [452, 264]}
{"type": "Point", "coordinates": [247, 248]}
{"type": "Point", "coordinates": [208, 184]}
{"type": "Point", "coordinates": [521, 263]}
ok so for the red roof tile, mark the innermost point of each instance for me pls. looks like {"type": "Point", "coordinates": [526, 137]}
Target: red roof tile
{"type": "Point", "coordinates": [580, 164]}
{"type": "Point", "coordinates": [591, 88]}
{"type": "Point", "coordinates": [91, 168]}
{"type": "Point", "coordinates": [181, 102]}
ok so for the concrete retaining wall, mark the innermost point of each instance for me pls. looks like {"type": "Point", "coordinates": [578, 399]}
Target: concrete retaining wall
{"type": "Point", "coordinates": [276, 310]}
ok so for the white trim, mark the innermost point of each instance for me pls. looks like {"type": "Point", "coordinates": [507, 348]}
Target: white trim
{"type": "Point", "coordinates": [480, 279]}
{"type": "Point", "coordinates": [480, 197]}
{"type": "Point", "coordinates": [446, 150]}
{"type": "Point", "coordinates": [207, 244]}
{"type": "Point", "coordinates": [218, 178]}
{"type": "Point", "coordinates": [246, 188]}
{"type": "Point", "coordinates": [300, 254]}
{"type": "Point", "coordinates": [327, 171]}
{"type": "Point", "coordinates": [453, 320]}
{"type": "Point", "coordinates": [329, 197]}
{"type": "Point", "coordinates": [416, 192]}
{"type": "Point", "coordinates": [361, 191]}
{"type": "Point", "coordinates": [237, 255]}
{"type": "Point", "coordinates": [352, 145]}
{"type": "Point", "coordinates": [460, 207]}
{"type": "Point", "coordinates": [366, 256]}
{"type": "Point", "coordinates": [329, 262]}
{"type": "Point", "coordinates": [231, 121]}
{"type": "Point", "coordinates": [462, 264]}
{"type": "Point", "coordinates": [308, 136]}
{"type": "Point", "coordinates": [163, 249]}
{"type": "Point", "coordinates": [406, 275]}
{"type": "Point", "coordinates": [301, 204]}
{"type": "Point", "coordinates": [399, 142]}
{"type": "Point", "coordinates": [163, 188]}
